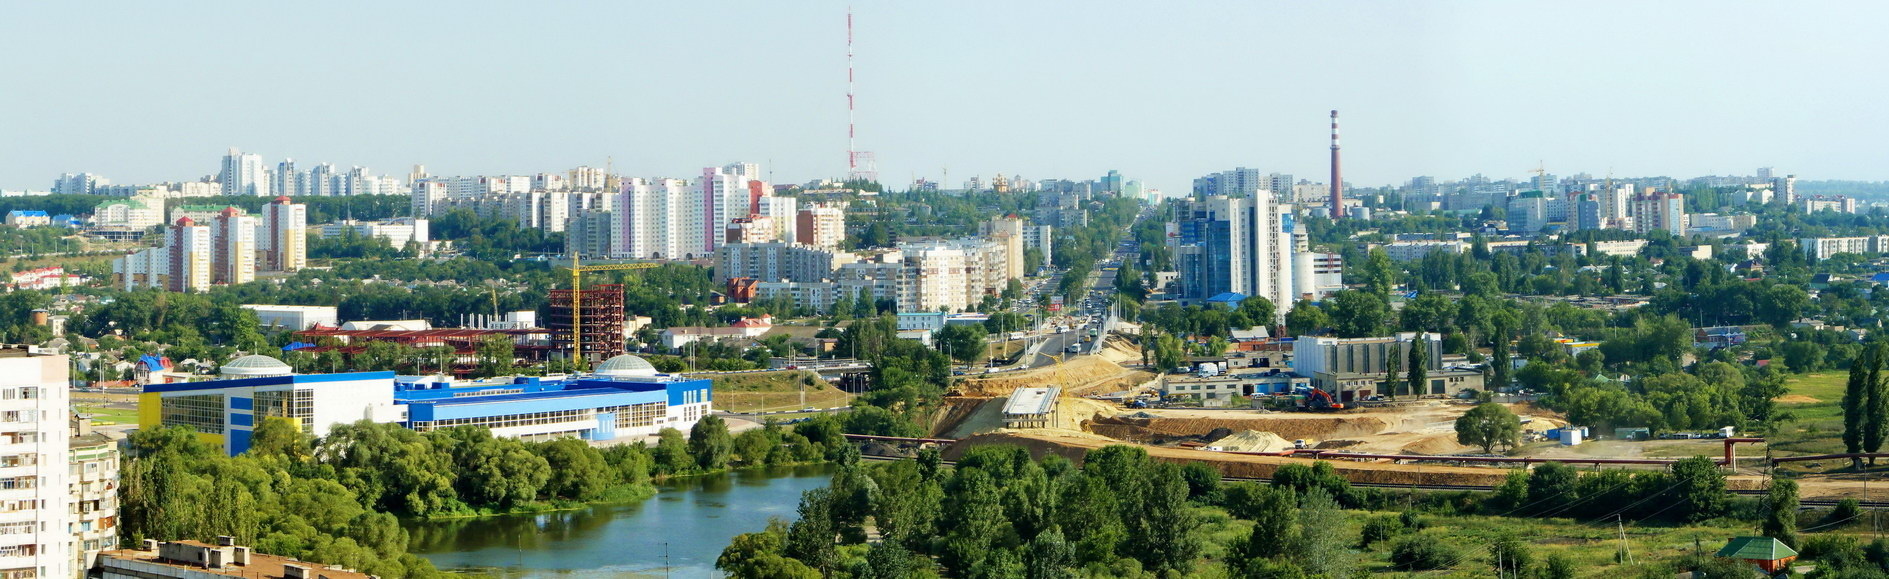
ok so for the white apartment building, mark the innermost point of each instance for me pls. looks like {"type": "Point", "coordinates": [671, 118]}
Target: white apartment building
{"type": "Point", "coordinates": [727, 193]}
{"type": "Point", "coordinates": [652, 220]}
{"type": "Point", "coordinates": [243, 174]}
{"type": "Point", "coordinates": [776, 261]}
{"type": "Point", "coordinates": [131, 213]}
{"type": "Point", "coordinates": [935, 279]}
{"type": "Point", "coordinates": [398, 231]}
{"type": "Point", "coordinates": [1821, 248]}
{"type": "Point", "coordinates": [783, 213]}
{"type": "Point", "coordinates": [37, 514]}
{"type": "Point", "coordinates": [820, 225]}
{"type": "Point", "coordinates": [92, 477]}
{"type": "Point", "coordinates": [1008, 232]}
{"type": "Point", "coordinates": [1415, 250]}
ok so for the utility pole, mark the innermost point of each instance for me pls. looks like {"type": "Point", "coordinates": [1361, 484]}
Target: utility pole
{"type": "Point", "coordinates": [1620, 523]}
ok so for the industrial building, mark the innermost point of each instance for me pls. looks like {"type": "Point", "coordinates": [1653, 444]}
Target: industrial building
{"type": "Point", "coordinates": [623, 396]}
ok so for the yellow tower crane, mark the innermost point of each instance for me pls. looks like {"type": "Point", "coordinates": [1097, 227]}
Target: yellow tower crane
{"type": "Point", "coordinates": [577, 300]}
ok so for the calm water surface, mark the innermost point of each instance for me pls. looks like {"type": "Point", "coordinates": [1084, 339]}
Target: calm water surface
{"type": "Point", "coordinates": [691, 519]}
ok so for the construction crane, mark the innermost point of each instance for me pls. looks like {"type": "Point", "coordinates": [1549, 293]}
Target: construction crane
{"type": "Point", "coordinates": [577, 300]}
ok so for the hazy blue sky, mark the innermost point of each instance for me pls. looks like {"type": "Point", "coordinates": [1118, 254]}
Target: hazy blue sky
{"type": "Point", "coordinates": [1163, 91]}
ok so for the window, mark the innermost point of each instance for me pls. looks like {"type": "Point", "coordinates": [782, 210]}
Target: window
{"type": "Point", "coordinates": [202, 412]}
{"type": "Point", "coordinates": [294, 404]}
{"type": "Point", "coordinates": [20, 528]}
{"type": "Point", "coordinates": [19, 460]}
{"type": "Point", "coordinates": [19, 482]}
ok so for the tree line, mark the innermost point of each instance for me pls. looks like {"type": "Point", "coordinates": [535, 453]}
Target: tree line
{"type": "Point", "coordinates": [999, 513]}
{"type": "Point", "coordinates": [337, 499]}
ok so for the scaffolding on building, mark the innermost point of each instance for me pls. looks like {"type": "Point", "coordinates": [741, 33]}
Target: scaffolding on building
{"type": "Point", "coordinates": [601, 314]}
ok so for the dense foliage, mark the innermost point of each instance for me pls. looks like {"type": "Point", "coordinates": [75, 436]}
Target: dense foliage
{"type": "Point", "coordinates": [336, 499]}
{"type": "Point", "coordinates": [997, 513]}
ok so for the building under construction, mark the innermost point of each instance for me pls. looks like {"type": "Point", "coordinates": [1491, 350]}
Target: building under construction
{"type": "Point", "coordinates": [601, 314]}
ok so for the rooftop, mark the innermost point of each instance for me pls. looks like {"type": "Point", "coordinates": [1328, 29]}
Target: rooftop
{"type": "Point", "coordinates": [260, 566]}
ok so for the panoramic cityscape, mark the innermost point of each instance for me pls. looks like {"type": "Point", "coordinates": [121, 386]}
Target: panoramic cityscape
{"type": "Point", "coordinates": [892, 291]}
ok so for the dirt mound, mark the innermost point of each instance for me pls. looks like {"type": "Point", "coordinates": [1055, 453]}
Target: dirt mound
{"type": "Point", "coordinates": [1253, 441]}
{"type": "Point", "coordinates": [1120, 351]}
{"type": "Point", "coordinates": [1435, 445]}
{"type": "Point", "coordinates": [1336, 444]}
{"type": "Point", "coordinates": [1079, 376]}
{"type": "Point", "coordinates": [1240, 465]}
{"type": "Point", "coordinates": [1796, 399]}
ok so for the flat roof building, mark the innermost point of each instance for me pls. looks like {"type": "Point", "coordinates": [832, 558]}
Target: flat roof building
{"type": "Point", "coordinates": [623, 396]}
{"type": "Point", "coordinates": [198, 560]}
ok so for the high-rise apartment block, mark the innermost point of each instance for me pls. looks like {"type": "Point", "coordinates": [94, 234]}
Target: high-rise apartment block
{"type": "Point", "coordinates": [243, 174]}
{"type": "Point", "coordinates": [284, 239]}
{"type": "Point", "coordinates": [1654, 210]}
{"type": "Point", "coordinates": [1008, 232]}
{"type": "Point", "coordinates": [234, 237]}
{"type": "Point", "coordinates": [37, 512]}
{"type": "Point", "coordinates": [229, 249]}
{"type": "Point", "coordinates": [1240, 245]}
{"type": "Point", "coordinates": [652, 220]}
{"type": "Point", "coordinates": [821, 225]}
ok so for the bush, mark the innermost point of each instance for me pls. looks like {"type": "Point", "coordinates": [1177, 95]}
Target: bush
{"type": "Point", "coordinates": [1847, 511]}
{"type": "Point", "coordinates": [1421, 553]}
{"type": "Point", "coordinates": [1380, 529]}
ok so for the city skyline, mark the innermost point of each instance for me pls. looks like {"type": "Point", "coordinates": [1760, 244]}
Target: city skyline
{"type": "Point", "coordinates": [1436, 89]}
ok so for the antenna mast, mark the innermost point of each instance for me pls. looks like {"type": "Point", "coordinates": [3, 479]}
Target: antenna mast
{"type": "Point", "coordinates": [860, 165]}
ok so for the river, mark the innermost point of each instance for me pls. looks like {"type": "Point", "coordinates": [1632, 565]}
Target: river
{"type": "Point", "coordinates": [677, 533]}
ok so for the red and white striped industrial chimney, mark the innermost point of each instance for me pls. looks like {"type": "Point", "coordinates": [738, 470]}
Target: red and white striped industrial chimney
{"type": "Point", "coordinates": [1337, 175]}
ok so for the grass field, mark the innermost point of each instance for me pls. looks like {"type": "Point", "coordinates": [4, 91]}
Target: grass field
{"type": "Point", "coordinates": [107, 415]}
{"type": "Point", "coordinates": [1818, 427]}
{"type": "Point", "coordinates": [769, 391]}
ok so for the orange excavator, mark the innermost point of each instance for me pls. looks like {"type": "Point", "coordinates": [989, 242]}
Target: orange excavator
{"type": "Point", "coordinates": [1321, 401]}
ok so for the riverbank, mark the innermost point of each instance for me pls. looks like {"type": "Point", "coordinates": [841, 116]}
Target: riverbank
{"type": "Point", "coordinates": [681, 529]}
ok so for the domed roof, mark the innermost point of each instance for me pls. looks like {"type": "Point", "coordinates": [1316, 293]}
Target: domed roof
{"type": "Point", "coordinates": [625, 365]}
{"type": "Point", "coordinates": [256, 365]}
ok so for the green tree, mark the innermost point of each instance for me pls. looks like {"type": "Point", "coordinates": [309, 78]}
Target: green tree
{"type": "Point", "coordinates": [1393, 377]}
{"type": "Point", "coordinates": [1876, 411]}
{"type": "Point", "coordinates": [578, 471]}
{"type": "Point", "coordinates": [1357, 314]}
{"type": "Point", "coordinates": [278, 436]}
{"type": "Point", "coordinates": [1306, 318]}
{"type": "Point", "coordinates": [761, 555]}
{"type": "Point", "coordinates": [1418, 365]}
{"type": "Point", "coordinates": [1856, 396]}
{"type": "Point", "coordinates": [964, 342]}
{"type": "Point", "coordinates": [496, 355]}
{"type": "Point", "coordinates": [1163, 536]}
{"type": "Point", "coordinates": [1780, 516]}
{"type": "Point", "coordinates": [1321, 543]}
{"type": "Point", "coordinates": [1488, 426]}
{"type": "Point", "coordinates": [671, 455]}
{"type": "Point", "coordinates": [1701, 488]}
{"type": "Point", "coordinates": [1378, 273]}
{"type": "Point", "coordinates": [710, 443]}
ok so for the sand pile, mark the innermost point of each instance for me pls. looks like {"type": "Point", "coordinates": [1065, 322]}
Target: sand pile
{"type": "Point", "coordinates": [1079, 376]}
{"type": "Point", "coordinates": [1253, 441]}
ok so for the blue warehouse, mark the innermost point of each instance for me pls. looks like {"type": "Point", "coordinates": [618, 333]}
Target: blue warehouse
{"type": "Point", "coordinates": [623, 397]}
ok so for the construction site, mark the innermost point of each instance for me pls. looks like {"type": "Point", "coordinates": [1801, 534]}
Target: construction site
{"type": "Point", "coordinates": [1411, 442]}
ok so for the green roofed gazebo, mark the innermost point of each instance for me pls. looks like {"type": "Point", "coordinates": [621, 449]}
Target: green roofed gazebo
{"type": "Point", "coordinates": [1765, 552]}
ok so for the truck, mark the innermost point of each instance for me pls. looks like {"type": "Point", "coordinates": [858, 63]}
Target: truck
{"type": "Point", "coordinates": [1209, 369]}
